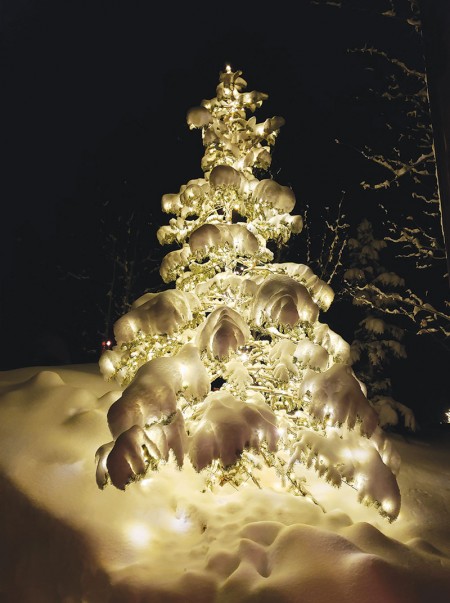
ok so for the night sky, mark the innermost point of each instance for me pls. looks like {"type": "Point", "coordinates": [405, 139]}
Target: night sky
{"type": "Point", "coordinates": [75, 78]}
{"type": "Point", "coordinates": [94, 100]}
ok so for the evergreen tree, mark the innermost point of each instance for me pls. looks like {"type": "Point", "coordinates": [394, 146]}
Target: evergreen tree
{"type": "Point", "coordinates": [378, 340]}
{"type": "Point", "coordinates": [397, 145]}
{"type": "Point", "coordinates": [392, 178]}
{"type": "Point", "coordinates": [230, 367]}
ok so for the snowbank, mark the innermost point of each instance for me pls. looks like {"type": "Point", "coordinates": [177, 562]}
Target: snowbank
{"type": "Point", "coordinates": [168, 539]}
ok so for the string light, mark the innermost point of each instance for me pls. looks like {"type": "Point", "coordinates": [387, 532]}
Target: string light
{"type": "Point", "coordinates": [237, 340]}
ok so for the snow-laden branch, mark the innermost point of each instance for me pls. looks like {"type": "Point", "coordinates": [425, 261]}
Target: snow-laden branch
{"type": "Point", "coordinates": [420, 75]}
{"type": "Point", "coordinates": [396, 167]}
{"type": "Point", "coordinates": [411, 306]}
{"type": "Point", "coordinates": [412, 19]}
{"type": "Point", "coordinates": [232, 366]}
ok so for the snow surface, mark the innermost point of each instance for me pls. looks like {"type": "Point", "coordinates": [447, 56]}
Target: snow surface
{"type": "Point", "coordinates": [167, 539]}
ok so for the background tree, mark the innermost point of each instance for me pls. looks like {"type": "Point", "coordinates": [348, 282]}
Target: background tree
{"type": "Point", "coordinates": [397, 189]}
{"type": "Point", "coordinates": [378, 340]}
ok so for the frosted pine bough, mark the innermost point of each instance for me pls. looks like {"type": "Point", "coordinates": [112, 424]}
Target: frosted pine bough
{"type": "Point", "coordinates": [232, 369]}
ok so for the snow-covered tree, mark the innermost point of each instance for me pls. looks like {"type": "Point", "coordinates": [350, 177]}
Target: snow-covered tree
{"type": "Point", "coordinates": [398, 147]}
{"type": "Point", "coordinates": [393, 180]}
{"type": "Point", "coordinates": [229, 368]}
{"type": "Point", "coordinates": [378, 339]}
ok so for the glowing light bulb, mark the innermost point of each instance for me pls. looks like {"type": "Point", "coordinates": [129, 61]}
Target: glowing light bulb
{"type": "Point", "coordinates": [184, 372]}
{"type": "Point", "coordinates": [387, 506]}
{"type": "Point", "coordinates": [259, 129]}
{"type": "Point", "coordinates": [145, 483]}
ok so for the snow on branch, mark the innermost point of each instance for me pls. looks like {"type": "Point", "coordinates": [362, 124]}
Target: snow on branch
{"type": "Point", "coordinates": [231, 368]}
{"type": "Point", "coordinates": [398, 168]}
{"type": "Point", "coordinates": [410, 16]}
{"type": "Point", "coordinates": [420, 75]}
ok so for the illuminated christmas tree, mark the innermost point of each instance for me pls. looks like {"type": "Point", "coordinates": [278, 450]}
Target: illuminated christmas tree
{"type": "Point", "coordinates": [231, 369]}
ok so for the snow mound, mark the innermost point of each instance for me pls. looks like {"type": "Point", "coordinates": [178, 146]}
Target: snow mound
{"type": "Point", "coordinates": [169, 539]}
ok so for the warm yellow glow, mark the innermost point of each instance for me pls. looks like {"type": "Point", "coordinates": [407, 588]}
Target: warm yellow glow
{"type": "Point", "coordinates": [181, 523]}
{"type": "Point", "coordinates": [259, 129]}
{"type": "Point", "coordinates": [184, 374]}
{"type": "Point", "coordinates": [145, 483]}
{"type": "Point", "coordinates": [360, 454]}
{"type": "Point", "coordinates": [248, 320]}
{"type": "Point", "coordinates": [328, 410]}
{"type": "Point", "coordinates": [138, 534]}
{"type": "Point", "coordinates": [387, 506]}
{"type": "Point", "coordinates": [447, 416]}
{"type": "Point", "coordinates": [106, 364]}
{"type": "Point", "coordinates": [359, 481]}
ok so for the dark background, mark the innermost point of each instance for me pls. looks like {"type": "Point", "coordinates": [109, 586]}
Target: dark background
{"type": "Point", "coordinates": [94, 133]}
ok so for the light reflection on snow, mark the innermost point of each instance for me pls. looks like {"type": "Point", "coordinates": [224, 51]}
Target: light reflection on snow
{"type": "Point", "coordinates": [138, 534]}
{"type": "Point", "coordinates": [181, 523]}
{"type": "Point", "coordinates": [145, 483]}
